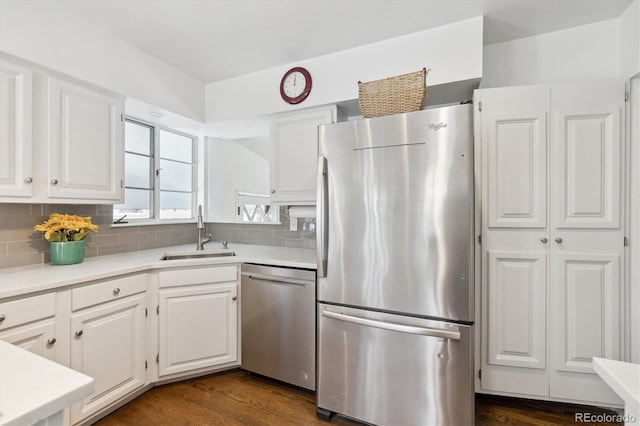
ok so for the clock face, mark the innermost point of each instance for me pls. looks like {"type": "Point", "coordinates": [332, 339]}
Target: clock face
{"type": "Point", "coordinates": [295, 85]}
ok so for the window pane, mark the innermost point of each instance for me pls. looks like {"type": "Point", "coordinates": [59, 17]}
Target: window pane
{"type": "Point", "coordinates": [137, 170]}
{"type": "Point", "coordinates": [137, 205]}
{"type": "Point", "coordinates": [175, 205]}
{"type": "Point", "coordinates": [176, 147]}
{"type": "Point", "coordinates": [137, 138]}
{"type": "Point", "coordinates": [175, 176]}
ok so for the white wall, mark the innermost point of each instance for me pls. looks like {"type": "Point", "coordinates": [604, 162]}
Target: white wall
{"type": "Point", "coordinates": [35, 31]}
{"type": "Point", "coordinates": [231, 167]}
{"type": "Point", "coordinates": [581, 53]}
{"type": "Point", "coordinates": [452, 52]}
{"type": "Point", "coordinates": [630, 41]}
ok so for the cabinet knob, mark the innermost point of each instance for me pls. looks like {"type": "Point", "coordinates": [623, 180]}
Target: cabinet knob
{"type": "Point", "coordinates": [234, 298]}
{"type": "Point", "coordinates": [116, 291]}
{"type": "Point", "coordinates": [78, 333]}
{"type": "Point", "coordinates": [273, 191]}
{"type": "Point", "coordinates": [2, 317]}
{"type": "Point", "coordinates": [558, 240]}
{"type": "Point", "coordinates": [51, 341]}
{"type": "Point", "coordinates": [543, 239]}
{"type": "Point", "coordinates": [28, 179]}
{"type": "Point", "coordinates": [54, 181]}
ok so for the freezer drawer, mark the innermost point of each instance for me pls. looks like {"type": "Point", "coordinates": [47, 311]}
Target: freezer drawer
{"type": "Point", "coordinates": [279, 323]}
{"type": "Point", "coordinates": [389, 369]}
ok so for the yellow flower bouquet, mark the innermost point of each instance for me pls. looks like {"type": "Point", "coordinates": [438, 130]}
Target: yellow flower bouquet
{"type": "Point", "coordinates": [66, 227]}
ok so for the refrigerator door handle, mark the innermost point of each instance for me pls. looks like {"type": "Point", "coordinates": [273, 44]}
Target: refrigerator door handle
{"type": "Point", "coordinates": [423, 331]}
{"type": "Point", "coordinates": [321, 217]}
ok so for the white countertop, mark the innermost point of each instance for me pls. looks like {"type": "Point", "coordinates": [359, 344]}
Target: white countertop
{"type": "Point", "coordinates": [23, 280]}
{"type": "Point", "coordinates": [623, 378]}
{"type": "Point", "coordinates": [33, 388]}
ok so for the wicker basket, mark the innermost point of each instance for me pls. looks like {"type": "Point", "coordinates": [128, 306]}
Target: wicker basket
{"type": "Point", "coordinates": [393, 95]}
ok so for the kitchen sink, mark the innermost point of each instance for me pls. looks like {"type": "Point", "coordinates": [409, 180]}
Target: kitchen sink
{"type": "Point", "coordinates": [181, 256]}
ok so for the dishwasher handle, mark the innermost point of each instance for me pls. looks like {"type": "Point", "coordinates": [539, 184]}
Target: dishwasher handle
{"type": "Point", "coordinates": [411, 329]}
{"type": "Point", "coordinates": [275, 278]}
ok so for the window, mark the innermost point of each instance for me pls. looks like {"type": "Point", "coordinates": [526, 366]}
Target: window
{"type": "Point", "coordinates": [256, 208]}
{"type": "Point", "coordinates": [159, 174]}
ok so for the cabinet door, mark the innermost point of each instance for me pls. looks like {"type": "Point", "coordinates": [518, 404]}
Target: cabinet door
{"type": "Point", "coordinates": [514, 230]}
{"type": "Point", "coordinates": [16, 86]}
{"type": "Point", "coordinates": [294, 155]}
{"type": "Point", "coordinates": [108, 344]}
{"type": "Point", "coordinates": [38, 337]}
{"type": "Point", "coordinates": [85, 152]}
{"type": "Point", "coordinates": [198, 327]}
{"type": "Point", "coordinates": [587, 236]}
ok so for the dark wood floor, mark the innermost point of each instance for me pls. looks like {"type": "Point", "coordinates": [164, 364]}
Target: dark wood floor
{"type": "Point", "coordinates": [240, 398]}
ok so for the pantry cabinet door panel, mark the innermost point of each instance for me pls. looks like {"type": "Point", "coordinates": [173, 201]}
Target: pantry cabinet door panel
{"type": "Point", "coordinates": [16, 86]}
{"type": "Point", "coordinates": [516, 310]}
{"type": "Point", "coordinates": [85, 143]}
{"type": "Point", "coordinates": [587, 126]}
{"type": "Point", "coordinates": [515, 158]}
{"type": "Point", "coordinates": [585, 310]}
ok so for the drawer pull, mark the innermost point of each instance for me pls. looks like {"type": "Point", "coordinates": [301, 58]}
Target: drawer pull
{"type": "Point", "coordinates": [234, 298]}
{"type": "Point", "coordinates": [51, 341]}
{"type": "Point", "coordinates": [54, 181]}
{"type": "Point", "coordinates": [2, 317]}
{"type": "Point", "coordinates": [116, 291]}
{"type": "Point", "coordinates": [28, 179]}
{"type": "Point", "coordinates": [558, 240]}
{"type": "Point", "coordinates": [79, 333]}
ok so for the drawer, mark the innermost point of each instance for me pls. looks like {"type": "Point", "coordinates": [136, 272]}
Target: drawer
{"type": "Point", "coordinates": [26, 310]}
{"type": "Point", "coordinates": [180, 277]}
{"type": "Point", "coordinates": [107, 291]}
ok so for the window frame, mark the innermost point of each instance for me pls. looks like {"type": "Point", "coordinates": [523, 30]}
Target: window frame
{"type": "Point", "coordinates": [156, 171]}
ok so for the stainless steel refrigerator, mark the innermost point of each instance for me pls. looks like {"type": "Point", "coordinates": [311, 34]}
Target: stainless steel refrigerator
{"type": "Point", "coordinates": [395, 269]}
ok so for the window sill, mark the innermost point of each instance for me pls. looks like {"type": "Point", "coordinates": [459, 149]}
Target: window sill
{"type": "Point", "coordinates": [132, 223]}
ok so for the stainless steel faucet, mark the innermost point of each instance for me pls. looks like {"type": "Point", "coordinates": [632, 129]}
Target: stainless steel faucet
{"type": "Point", "coordinates": [202, 240]}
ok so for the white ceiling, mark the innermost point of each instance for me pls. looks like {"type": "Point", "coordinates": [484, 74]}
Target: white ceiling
{"type": "Point", "coordinates": [214, 40]}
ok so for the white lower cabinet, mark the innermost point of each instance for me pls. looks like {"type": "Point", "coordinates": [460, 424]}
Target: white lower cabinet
{"type": "Point", "coordinates": [30, 323]}
{"type": "Point", "coordinates": [108, 340]}
{"type": "Point", "coordinates": [197, 319]}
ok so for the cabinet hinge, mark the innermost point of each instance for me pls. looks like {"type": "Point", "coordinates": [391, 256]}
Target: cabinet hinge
{"type": "Point", "coordinates": [479, 106]}
{"type": "Point", "coordinates": [626, 96]}
{"type": "Point", "coordinates": [480, 374]}
{"type": "Point", "coordinates": [121, 117]}
{"type": "Point", "coordinates": [158, 309]}
{"type": "Point", "coordinates": [146, 314]}
{"type": "Point", "coordinates": [158, 359]}
{"type": "Point", "coordinates": [146, 365]}
{"type": "Point", "coordinates": [626, 241]}
{"type": "Point", "coordinates": [238, 211]}
{"type": "Point", "coordinates": [121, 183]}
{"type": "Point", "coordinates": [480, 239]}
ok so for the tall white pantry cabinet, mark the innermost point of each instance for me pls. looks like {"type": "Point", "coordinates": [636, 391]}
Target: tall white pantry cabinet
{"type": "Point", "coordinates": [552, 241]}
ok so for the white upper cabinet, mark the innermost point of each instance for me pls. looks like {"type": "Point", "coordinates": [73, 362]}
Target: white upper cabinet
{"type": "Point", "coordinates": [61, 140]}
{"type": "Point", "coordinates": [552, 238]}
{"type": "Point", "coordinates": [16, 86]}
{"type": "Point", "coordinates": [294, 154]}
{"type": "Point", "coordinates": [84, 142]}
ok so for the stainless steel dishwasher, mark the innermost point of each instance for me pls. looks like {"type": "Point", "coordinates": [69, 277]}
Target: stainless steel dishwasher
{"type": "Point", "coordinates": [279, 323]}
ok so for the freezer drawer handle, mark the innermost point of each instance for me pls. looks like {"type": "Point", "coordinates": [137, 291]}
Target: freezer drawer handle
{"type": "Point", "coordinates": [275, 279]}
{"type": "Point", "coordinates": [432, 332]}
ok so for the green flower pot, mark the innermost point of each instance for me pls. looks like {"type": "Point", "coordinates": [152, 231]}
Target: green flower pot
{"type": "Point", "coordinates": [67, 252]}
